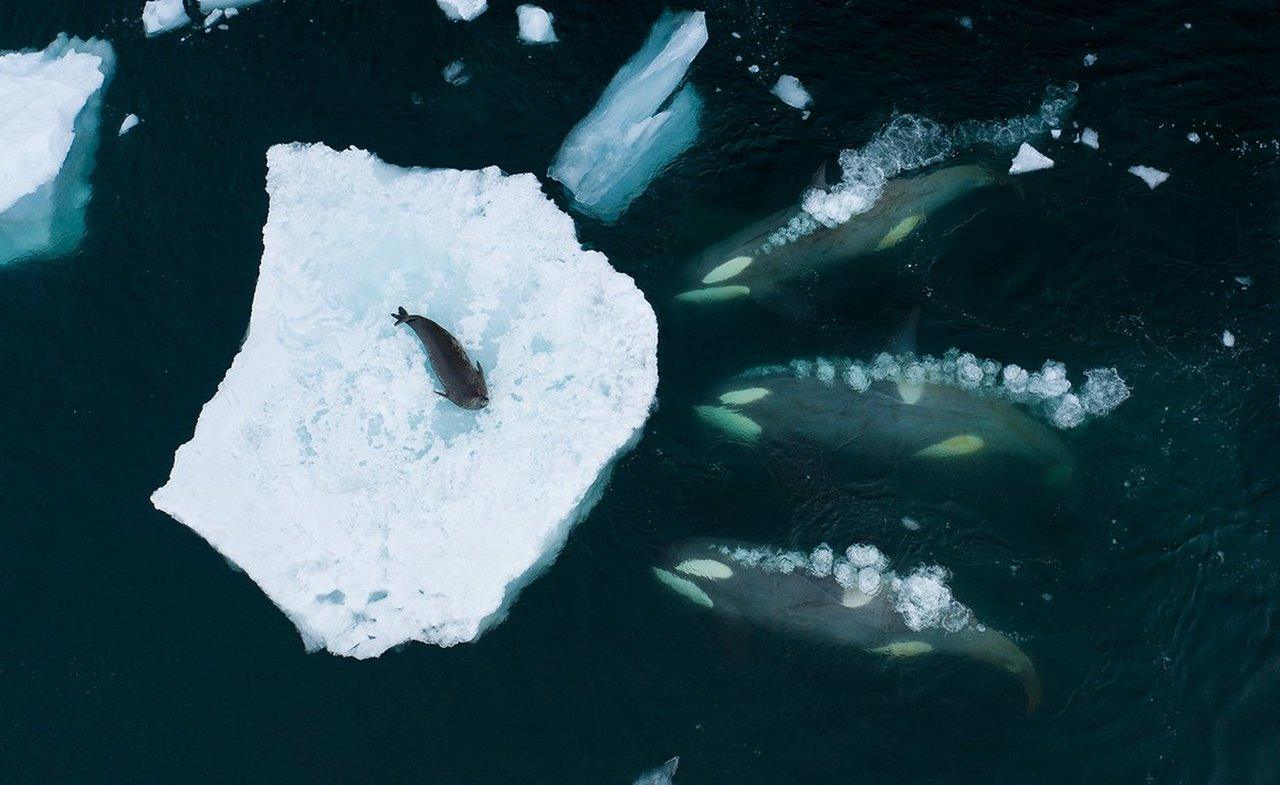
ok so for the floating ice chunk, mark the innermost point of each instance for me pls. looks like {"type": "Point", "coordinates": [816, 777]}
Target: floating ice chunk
{"type": "Point", "coordinates": [753, 68]}
{"type": "Point", "coordinates": [456, 73]}
{"type": "Point", "coordinates": [636, 128]}
{"type": "Point", "coordinates": [130, 122]}
{"type": "Point", "coordinates": [324, 462]}
{"type": "Point", "coordinates": [161, 16]}
{"type": "Point", "coordinates": [1228, 339]}
{"type": "Point", "coordinates": [1056, 133]}
{"type": "Point", "coordinates": [1029, 159]}
{"type": "Point", "coordinates": [966, 22]}
{"type": "Point", "coordinates": [791, 92]}
{"type": "Point", "coordinates": [535, 25]}
{"type": "Point", "coordinates": [50, 105]}
{"type": "Point", "coordinates": [1244, 280]}
{"type": "Point", "coordinates": [663, 775]}
{"type": "Point", "coordinates": [1103, 390]}
{"type": "Point", "coordinates": [910, 524]}
{"type": "Point", "coordinates": [462, 10]}
{"type": "Point", "coordinates": [1193, 137]}
{"type": "Point", "coordinates": [1152, 177]}
{"type": "Point", "coordinates": [1089, 138]}
{"type": "Point", "coordinates": [1090, 59]}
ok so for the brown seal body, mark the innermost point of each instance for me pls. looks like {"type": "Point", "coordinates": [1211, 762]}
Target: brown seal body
{"type": "Point", "coordinates": [463, 380]}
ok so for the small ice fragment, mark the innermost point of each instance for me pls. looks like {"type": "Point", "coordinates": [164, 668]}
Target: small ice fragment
{"type": "Point", "coordinates": [1046, 597]}
{"type": "Point", "coordinates": [1090, 59]}
{"type": "Point", "coordinates": [910, 524]}
{"type": "Point", "coordinates": [535, 25]}
{"type": "Point", "coordinates": [1152, 177]}
{"type": "Point", "coordinates": [1186, 25]}
{"type": "Point", "coordinates": [663, 775]}
{"type": "Point", "coordinates": [213, 18]}
{"type": "Point", "coordinates": [641, 124]}
{"type": "Point", "coordinates": [462, 10]}
{"type": "Point", "coordinates": [128, 125]}
{"type": "Point", "coordinates": [966, 22]}
{"type": "Point", "coordinates": [224, 27]}
{"type": "Point", "coordinates": [1029, 159]}
{"type": "Point", "coordinates": [1244, 280]}
{"type": "Point", "coordinates": [736, 35]}
{"type": "Point", "coordinates": [1193, 137]}
{"type": "Point", "coordinates": [1228, 339]}
{"type": "Point", "coordinates": [1055, 132]}
{"type": "Point", "coordinates": [456, 73]}
{"type": "Point", "coordinates": [1089, 138]}
{"type": "Point", "coordinates": [230, 12]}
{"type": "Point", "coordinates": [755, 69]}
{"type": "Point", "coordinates": [791, 92]}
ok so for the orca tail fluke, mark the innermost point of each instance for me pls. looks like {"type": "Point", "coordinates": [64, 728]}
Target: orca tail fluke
{"type": "Point", "coordinates": [401, 317]}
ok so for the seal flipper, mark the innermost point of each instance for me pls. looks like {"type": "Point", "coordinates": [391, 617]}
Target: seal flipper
{"type": "Point", "coordinates": [401, 317]}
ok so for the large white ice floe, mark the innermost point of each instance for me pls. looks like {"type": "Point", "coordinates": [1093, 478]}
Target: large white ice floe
{"type": "Point", "coordinates": [906, 143]}
{"type": "Point", "coordinates": [161, 16]}
{"type": "Point", "coordinates": [50, 106]}
{"type": "Point", "coordinates": [536, 25]}
{"type": "Point", "coordinates": [369, 509]}
{"type": "Point", "coordinates": [637, 127]}
{"type": "Point", "coordinates": [462, 10]}
{"type": "Point", "coordinates": [1029, 159]}
{"type": "Point", "coordinates": [1048, 391]}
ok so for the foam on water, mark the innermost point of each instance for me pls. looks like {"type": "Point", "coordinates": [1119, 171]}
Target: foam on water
{"type": "Point", "coordinates": [922, 597]}
{"type": "Point", "coordinates": [906, 143]}
{"type": "Point", "coordinates": [370, 510]}
{"type": "Point", "coordinates": [50, 106]}
{"type": "Point", "coordinates": [1047, 391]}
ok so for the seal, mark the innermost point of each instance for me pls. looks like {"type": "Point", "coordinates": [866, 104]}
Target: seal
{"type": "Point", "coordinates": [462, 380]}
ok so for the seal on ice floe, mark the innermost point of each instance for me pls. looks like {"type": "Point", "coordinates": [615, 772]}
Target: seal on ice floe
{"type": "Point", "coordinates": [462, 379]}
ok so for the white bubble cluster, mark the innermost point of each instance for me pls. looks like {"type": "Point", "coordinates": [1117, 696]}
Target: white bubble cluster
{"type": "Point", "coordinates": [906, 143]}
{"type": "Point", "coordinates": [922, 597]}
{"type": "Point", "coordinates": [1047, 391]}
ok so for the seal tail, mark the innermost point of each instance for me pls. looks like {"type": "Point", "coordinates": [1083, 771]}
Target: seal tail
{"type": "Point", "coordinates": [401, 317]}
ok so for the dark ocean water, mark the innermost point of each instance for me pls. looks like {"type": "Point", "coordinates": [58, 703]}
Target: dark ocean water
{"type": "Point", "coordinates": [1149, 597]}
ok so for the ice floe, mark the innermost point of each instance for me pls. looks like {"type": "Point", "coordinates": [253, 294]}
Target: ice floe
{"type": "Point", "coordinates": [921, 597]}
{"type": "Point", "coordinates": [1228, 339]}
{"type": "Point", "coordinates": [1029, 159]}
{"type": "Point", "coordinates": [1193, 137]}
{"type": "Point", "coordinates": [535, 25]}
{"type": "Point", "coordinates": [456, 73]}
{"type": "Point", "coordinates": [128, 124]}
{"type": "Point", "coordinates": [462, 10]}
{"type": "Point", "coordinates": [161, 16]}
{"type": "Point", "coordinates": [663, 775]}
{"type": "Point", "coordinates": [637, 127]}
{"type": "Point", "coordinates": [1090, 59]}
{"type": "Point", "coordinates": [1152, 177]}
{"type": "Point", "coordinates": [50, 104]}
{"type": "Point", "coordinates": [370, 510]}
{"type": "Point", "coordinates": [791, 92]}
{"type": "Point", "coordinates": [1047, 391]}
{"type": "Point", "coordinates": [906, 143]}
{"type": "Point", "coordinates": [1089, 138]}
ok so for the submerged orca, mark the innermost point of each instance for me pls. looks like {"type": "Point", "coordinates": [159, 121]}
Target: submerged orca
{"type": "Point", "coordinates": [463, 382]}
{"type": "Point", "coordinates": [749, 265]}
{"type": "Point", "coordinates": [820, 607]}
